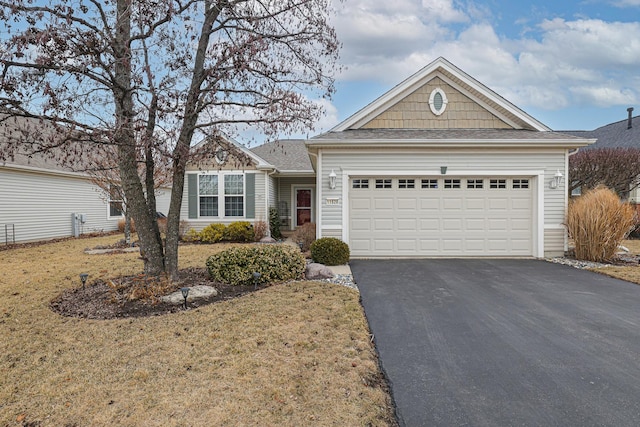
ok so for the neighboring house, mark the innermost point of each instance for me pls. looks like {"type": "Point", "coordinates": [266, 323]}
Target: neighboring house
{"type": "Point", "coordinates": [439, 166]}
{"type": "Point", "coordinates": [621, 134]}
{"type": "Point", "coordinates": [40, 200]}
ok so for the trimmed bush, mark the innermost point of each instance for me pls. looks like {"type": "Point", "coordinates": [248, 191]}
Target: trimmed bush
{"type": "Point", "coordinates": [274, 223]}
{"type": "Point", "coordinates": [275, 263]}
{"type": "Point", "coordinates": [191, 236]}
{"type": "Point", "coordinates": [306, 234]}
{"type": "Point", "coordinates": [212, 233]}
{"type": "Point", "coordinates": [597, 222]}
{"type": "Point", "coordinates": [239, 231]}
{"type": "Point", "coordinates": [330, 251]}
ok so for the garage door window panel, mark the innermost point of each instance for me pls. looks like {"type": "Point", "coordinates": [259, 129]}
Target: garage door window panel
{"type": "Point", "coordinates": [452, 183]}
{"type": "Point", "coordinates": [429, 183]}
{"type": "Point", "coordinates": [360, 183]}
{"type": "Point", "coordinates": [383, 184]}
{"type": "Point", "coordinates": [406, 183]}
{"type": "Point", "coordinates": [498, 184]}
{"type": "Point", "coordinates": [475, 183]}
{"type": "Point", "coordinates": [520, 183]}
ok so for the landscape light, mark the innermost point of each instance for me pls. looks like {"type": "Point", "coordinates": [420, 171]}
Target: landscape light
{"type": "Point", "coordinates": [83, 277]}
{"type": "Point", "coordinates": [185, 294]}
{"type": "Point", "coordinates": [256, 277]}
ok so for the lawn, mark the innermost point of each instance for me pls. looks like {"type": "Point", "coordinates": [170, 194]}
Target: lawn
{"type": "Point", "coordinates": [292, 354]}
{"type": "Point", "coordinates": [629, 273]}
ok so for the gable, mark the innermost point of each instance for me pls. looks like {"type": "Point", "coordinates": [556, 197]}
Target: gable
{"type": "Point", "coordinates": [415, 112]}
{"type": "Point", "coordinates": [406, 106]}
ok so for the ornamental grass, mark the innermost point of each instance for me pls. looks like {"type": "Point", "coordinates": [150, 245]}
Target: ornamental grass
{"type": "Point", "coordinates": [598, 221]}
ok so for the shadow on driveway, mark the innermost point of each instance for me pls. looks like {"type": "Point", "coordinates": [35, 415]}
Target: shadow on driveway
{"type": "Point", "coordinates": [502, 342]}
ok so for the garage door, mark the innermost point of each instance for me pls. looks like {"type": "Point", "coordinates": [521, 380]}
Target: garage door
{"type": "Point", "coordinates": [452, 216]}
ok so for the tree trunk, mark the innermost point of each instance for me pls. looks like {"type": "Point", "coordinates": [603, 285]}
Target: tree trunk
{"type": "Point", "coordinates": [127, 227]}
{"type": "Point", "coordinates": [151, 250]}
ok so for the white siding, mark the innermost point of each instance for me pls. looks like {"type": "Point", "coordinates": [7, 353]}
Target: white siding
{"type": "Point", "coordinates": [273, 192]}
{"type": "Point", "coordinates": [457, 161]}
{"type": "Point", "coordinates": [40, 205]}
{"type": "Point", "coordinates": [163, 200]}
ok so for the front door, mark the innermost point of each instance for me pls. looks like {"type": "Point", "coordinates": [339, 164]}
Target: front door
{"type": "Point", "coordinates": [303, 206]}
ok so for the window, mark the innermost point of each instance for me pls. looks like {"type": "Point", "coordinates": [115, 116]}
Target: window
{"type": "Point", "coordinates": [498, 183]}
{"type": "Point", "coordinates": [429, 183]}
{"type": "Point", "coordinates": [520, 183]}
{"type": "Point", "coordinates": [208, 192]}
{"type": "Point", "coordinates": [438, 101]}
{"type": "Point", "coordinates": [406, 183]}
{"type": "Point", "coordinates": [221, 195]}
{"type": "Point", "coordinates": [116, 203]}
{"type": "Point", "coordinates": [451, 183]}
{"type": "Point", "coordinates": [383, 183]}
{"type": "Point", "coordinates": [234, 195]}
{"type": "Point", "coordinates": [360, 183]}
{"type": "Point", "coordinates": [475, 183]}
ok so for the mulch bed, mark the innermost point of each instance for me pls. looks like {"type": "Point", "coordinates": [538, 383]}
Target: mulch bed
{"type": "Point", "coordinates": [99, 301]}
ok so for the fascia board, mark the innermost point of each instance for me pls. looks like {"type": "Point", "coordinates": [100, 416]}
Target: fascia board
{"type": "Point", "coordinates": [452, 143]}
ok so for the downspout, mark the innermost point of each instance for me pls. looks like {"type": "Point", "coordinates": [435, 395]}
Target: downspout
{"type": "Point", "coordinates": [318, 193]}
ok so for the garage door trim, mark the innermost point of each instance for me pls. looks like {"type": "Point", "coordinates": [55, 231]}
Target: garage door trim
{"type": "Point", "coordinates": [536, 175]}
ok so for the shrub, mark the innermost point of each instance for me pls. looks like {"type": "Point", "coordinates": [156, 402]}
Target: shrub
{"type": "Point", "coordinates": [306, 234]}
{"type": "Point", "coordinates": [274, 223]}
{"type": "Point", "coordinates": [598, 221]}
{"type": "Point", "coordinates": [275, 263]}
{"type": "Point", "coordinates": [212, 233]}
{"type": "Point", "coordinates": [121, 223]}
{"type": "Point", "coordinates": [239, 231]}
{"type": "Point", "coordinates": [330, 251]}
{"type": "Point", "coordinates": [191, 236]}
{"type": "Point", "coordinates": [183, 229]}
{"type": "Point", "coordinates": [260, 230]}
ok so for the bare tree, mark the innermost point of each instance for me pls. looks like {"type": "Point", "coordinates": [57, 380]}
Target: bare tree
{"type": "Point", "coordinates": [132, 73]}
{"type": "Point", "coordinates": [616, 168]}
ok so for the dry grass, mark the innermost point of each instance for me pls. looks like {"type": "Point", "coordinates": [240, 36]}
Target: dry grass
{"type": "Point", "coordinates": [597, 222]}
{"type": "Point", "coordinates": [291, 355]}
{"type": "Point", "coordinates": [630, 273]}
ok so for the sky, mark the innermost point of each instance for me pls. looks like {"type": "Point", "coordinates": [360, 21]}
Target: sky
{"type": "Point", "coordinates": [573, 65]}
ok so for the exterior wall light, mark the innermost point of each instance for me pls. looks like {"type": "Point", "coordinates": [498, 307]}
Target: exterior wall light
{"type": "Point", "coordinates": [556, 180]}
{"type": "Point", "coordinates": [443, 170]}
{"type": "Point", "coordinates": [332, 179]}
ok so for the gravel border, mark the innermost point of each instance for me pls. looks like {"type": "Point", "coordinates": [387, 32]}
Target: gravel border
{"type": "Point", "coordinates": [344, 280]}
{"type": "Point", "coordinates": [576, 263]}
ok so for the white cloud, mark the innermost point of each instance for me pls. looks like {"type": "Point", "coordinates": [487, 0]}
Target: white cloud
{"type": "Point", "coordinates": [556, 64]}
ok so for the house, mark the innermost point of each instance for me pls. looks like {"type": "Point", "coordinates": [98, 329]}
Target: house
{"type": "Point", "coordinates": [439, 166]}
{"type": "Point", "coordinates": [42, 200]}
{"type": "Point", "coordinates": [620, 134]}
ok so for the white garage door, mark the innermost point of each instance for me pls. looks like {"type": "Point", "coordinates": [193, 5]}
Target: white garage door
{"type": "Point", "coordinates": [452, 216]}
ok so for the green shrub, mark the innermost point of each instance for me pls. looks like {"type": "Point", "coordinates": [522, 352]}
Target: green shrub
{"type": "Point", "coordinates": [239, 231]}
{"type": "Point", "coordinates": [597, 222]}
{"type": "Point", "coordinates": [330, 251]}
{"type": "Point", "coordinates": [306, 234]}
{"type": "Point", "coordinates": [274, 223]}
{"type": "Point", "coordinates": [212, 233]}
{"type": "Point", "coordinates": [275, 263]}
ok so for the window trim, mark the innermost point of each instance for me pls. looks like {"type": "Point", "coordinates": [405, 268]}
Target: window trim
{"type": "Point", "coordinates": [110, 201]}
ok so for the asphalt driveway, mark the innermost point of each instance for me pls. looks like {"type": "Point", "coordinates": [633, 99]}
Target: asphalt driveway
{"type": "Point", "coordinates": [504, 342]}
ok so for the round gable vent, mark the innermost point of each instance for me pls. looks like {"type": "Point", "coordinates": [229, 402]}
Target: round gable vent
{"type": "Point", "coordinates": [438, 101]}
